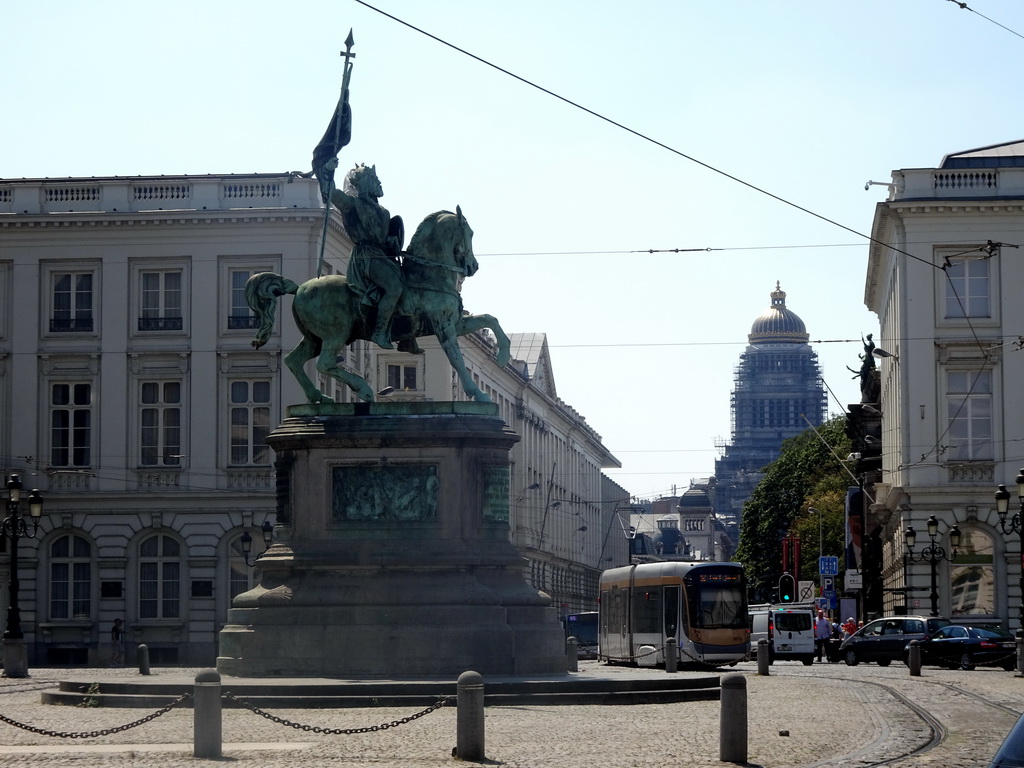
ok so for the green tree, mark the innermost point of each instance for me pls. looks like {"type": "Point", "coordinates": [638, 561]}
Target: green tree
{"type": "Point", "coordinates": [806, 475]}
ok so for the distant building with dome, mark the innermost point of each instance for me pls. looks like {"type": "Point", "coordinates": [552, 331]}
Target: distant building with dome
{"type": "Point", "coordinates": [777, 383]}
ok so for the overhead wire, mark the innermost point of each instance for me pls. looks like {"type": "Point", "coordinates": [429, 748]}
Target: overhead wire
{"type": "Point", "coordinates": [965, 7]}
{"type": "Point", "coordinates": [641, 135]}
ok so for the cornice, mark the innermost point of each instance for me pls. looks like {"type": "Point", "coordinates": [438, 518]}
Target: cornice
{"type": "Point", "coordinates": [163, 218]}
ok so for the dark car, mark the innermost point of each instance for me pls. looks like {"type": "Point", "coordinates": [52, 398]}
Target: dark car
{"type": "Point", "coordinates": [885, 640]}
{"type": "Point", "coordinates": [968, 647]}
{"type": "Point", "coordinates": [1011, 752]}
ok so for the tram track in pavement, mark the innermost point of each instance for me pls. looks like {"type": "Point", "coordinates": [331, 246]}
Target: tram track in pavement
{"type": "Point", "coordinates": [938, 733]}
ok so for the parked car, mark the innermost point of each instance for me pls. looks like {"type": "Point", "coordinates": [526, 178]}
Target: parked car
{"type": "Point", "coordinates": [885, 640]}
{"type": "Point", "coordinates": [968, 647]}
{"type": "Point", "coordinates": [1011, 752]}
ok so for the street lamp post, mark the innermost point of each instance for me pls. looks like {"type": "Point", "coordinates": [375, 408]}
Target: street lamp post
{"type": "Point", "coordinates": [1003, 508]}
{"type": "Point", "coordinates": [932, 553]}
{"type": "Point", "coordinates": [14, 528]}
{"type": "Point", "coordinates": [267, 529]}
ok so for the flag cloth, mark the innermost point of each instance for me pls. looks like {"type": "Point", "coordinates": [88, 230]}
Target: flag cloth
{"type": "Point", "coordinates": [337, 135]}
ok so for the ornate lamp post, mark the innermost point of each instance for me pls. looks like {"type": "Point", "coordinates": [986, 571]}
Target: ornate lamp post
{"type": "Point", "coordinates": [1003, 508]}
{"type": "Point", "coordinates": [246, 542]}
{"type": "Point", "coordinates": [932, 553]}
{"type": "Point", "coordinates": [14, 528]}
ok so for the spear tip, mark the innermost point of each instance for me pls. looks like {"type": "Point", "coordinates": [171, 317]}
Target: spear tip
{"type": "Point", "coordinates": [349, 41]}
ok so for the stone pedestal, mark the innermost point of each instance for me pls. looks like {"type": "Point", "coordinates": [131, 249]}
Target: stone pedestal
{"type": "Point", "coordinates": [15, 658]}
{"type": "Point", "coordinates": [391, 553]}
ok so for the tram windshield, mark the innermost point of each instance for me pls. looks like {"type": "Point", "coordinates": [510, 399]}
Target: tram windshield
{"type": "Point", "coordinates": [717, 598]}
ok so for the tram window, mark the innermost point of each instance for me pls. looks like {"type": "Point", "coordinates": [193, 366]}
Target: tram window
{"type": "Point", "coordinates": [671, 610]}
{"type": "Point", "coordinates": [647, 610]}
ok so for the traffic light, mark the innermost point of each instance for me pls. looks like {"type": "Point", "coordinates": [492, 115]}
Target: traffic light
{"type": "Point", "coordinates": [787, 588]}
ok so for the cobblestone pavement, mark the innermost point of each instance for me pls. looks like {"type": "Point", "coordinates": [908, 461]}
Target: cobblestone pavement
{"type": "Point", "coordinates": [824, 715]}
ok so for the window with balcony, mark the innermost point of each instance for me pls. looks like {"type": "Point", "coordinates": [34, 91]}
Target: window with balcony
{"type": "Point", "coordinates": [160, 424]}
{"type": "Point", "coordinates": [72, 307]}
{"type": "Point", "coordinates": [969, 405]}
{"type": "Point", "coordinates": [70, 578]}
{"type": "Point", "coordinates": [239, 314]}
{"type": "Point", "coordinates": [70, 424]}
{"type": "Point", "coordinates": [159, 578]}
{"type": "Point", "coordinates": [160, 307]}
{"type": "Point", "coordinates": [249, 412]}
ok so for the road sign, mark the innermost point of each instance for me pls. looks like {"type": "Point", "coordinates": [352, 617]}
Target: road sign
{"type": "Point", "coordinates": [828, 584]}
{"type": "Point", "coordinates": [806, 591]}
{"type": "Point", "coordinates": [830, 596]}
{"type": "Point", "coordinates": [828, 565]}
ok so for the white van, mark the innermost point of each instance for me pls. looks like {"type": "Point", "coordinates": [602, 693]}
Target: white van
{"type": "Point", "coordinates": [789, 632]}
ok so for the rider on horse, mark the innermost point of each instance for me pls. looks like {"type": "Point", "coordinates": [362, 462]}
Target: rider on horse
{"type": "Point", "coordinates": [373, 269]}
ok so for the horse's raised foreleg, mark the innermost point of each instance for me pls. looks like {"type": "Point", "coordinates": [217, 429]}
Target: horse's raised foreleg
{"type": "Point", "coordinates": [470, 323]}
{"type": "Point", "coordinates": [296, 361]}
{"type": "Point", "coordinates": [448, 337]}
{"type": "Point", "coordinates": [327, 364]}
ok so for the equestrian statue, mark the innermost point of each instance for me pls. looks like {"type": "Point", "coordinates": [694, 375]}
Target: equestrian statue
{"type": "Point", "coordinates": [331, 312]}
{"type": "Point", "coordinates": [388, 295]}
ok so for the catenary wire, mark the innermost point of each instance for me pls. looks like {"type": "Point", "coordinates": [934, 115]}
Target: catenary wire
{"type": "Point", "coordinates": [644, 136]}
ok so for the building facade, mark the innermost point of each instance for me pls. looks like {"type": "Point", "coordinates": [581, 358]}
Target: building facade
{"type": "Point", "coordinates": [942, 276]}
{"type": "Point", "coordinates": [778, 393]}
{"type": "Point", "coordinates": [131, 397]}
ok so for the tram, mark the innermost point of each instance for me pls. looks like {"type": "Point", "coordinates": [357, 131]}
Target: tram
{"type": "Point", "coordinates": [700, 605]}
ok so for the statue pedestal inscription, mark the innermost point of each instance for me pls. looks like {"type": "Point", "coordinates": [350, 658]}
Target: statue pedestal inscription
{"type": "Point", "coordinates": [391, 554]}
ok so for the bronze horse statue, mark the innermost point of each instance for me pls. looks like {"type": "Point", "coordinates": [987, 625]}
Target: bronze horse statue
{"type": "Point", "coordinates": [329, 314]}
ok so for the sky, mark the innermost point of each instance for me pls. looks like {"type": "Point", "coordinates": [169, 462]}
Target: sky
{"type": "Point", "coordinates": [733, 138]}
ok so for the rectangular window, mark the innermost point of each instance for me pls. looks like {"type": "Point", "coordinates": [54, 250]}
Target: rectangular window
{"type": "Point", "coordinates": [401, 377]}
{"type": "Point", "coordinates": [72, 302]}
{"type": "Point", "coordinates": [239, 314]}
{"type": "Point", "coordinates": [160, 294]}
{"type": "Point", "coordinates": [70, 424]}
{"type": "Point", "coordinates": [969, 415]}
{"type": "Point", "coordinates": [70, 578]}
{"type": "Point", "coordinates": [967, 288]}
{"type": "Point", "coordinates": [250, 423]}
{"type": "Point", "coordinates": [159, 578]}
{"type": "Point", "coordinates": [160, 421]}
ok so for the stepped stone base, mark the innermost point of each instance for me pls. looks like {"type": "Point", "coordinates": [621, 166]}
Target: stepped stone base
{"type": "Point", "coordinates": [391, 555]}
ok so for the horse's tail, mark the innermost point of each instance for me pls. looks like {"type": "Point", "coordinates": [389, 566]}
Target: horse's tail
{"type": "Point", "coordinates": [261, 293]}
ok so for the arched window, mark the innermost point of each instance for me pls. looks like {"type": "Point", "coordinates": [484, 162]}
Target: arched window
{"type": "Point", "coordinates": [239, 574]}
{"type": "Point", "coordinates": [972, 576]}
{"type": "Point", "coordinates": [159, 578]}
{"type": "Point", "coordinates": [70, 578]}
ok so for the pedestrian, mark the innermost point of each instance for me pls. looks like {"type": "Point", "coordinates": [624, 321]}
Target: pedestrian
{"type": "Point", "coordinates": [822, 633]}
{"type": "Point", "coordinates": [117, 643]}
{"type": "Point", "coordinates": [849, 627]}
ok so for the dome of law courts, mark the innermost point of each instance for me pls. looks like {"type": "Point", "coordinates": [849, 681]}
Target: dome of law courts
{"type": "Point", "coordinates": [778, 324]}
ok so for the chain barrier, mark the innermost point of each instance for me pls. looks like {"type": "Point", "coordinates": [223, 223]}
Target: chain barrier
{"type": "Point", "coordinates": [104, 731]}
{"type": "Point", "coordinates": [442, 702]}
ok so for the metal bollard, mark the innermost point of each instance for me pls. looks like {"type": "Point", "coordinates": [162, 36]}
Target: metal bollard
{"type": "Point", "coordinates": [762, 658]}
{"type": "Point", "coordinates": [469, 741]}
{"type": "Point", "coordinates": [1020, 655]}
{"type": "Point", "coordinates": [143, 656]}
{"type": "Point", "coordinates": [732, 739]}
{"type": "Point", "coordinates": [914, 658]}
{"type": "Point", "coordinates": [206, 714]}
{"type": "Point", "coordinates": [572, 653]}
{"type": "Point", "coordinates": [671, 656]}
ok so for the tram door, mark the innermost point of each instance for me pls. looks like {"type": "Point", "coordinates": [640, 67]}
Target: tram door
{"type": "Point", "coordinates": [671, 612]}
